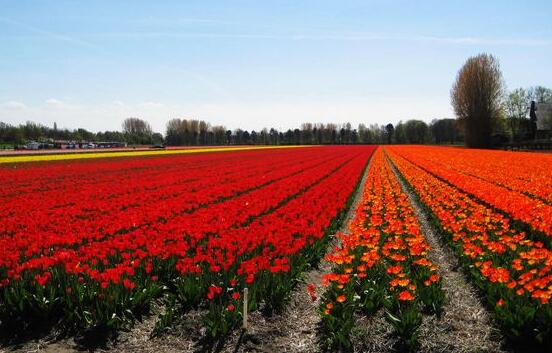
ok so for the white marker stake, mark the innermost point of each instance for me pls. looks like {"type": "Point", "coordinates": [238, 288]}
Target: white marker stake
{"type": "Point", "coordinates": [245, 292]}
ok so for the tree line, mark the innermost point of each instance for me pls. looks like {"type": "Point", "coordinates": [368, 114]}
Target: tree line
{"type": "Point", "coordinates": [134, 131]}
{"type": "Point", "coordinates": [192, 132]}
{"type": "Point", "coordinates": [30, 131]}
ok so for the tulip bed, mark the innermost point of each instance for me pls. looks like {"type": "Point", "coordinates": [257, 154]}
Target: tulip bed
{"type": "Point", "coordinates": [528, 173]}
{"type": "Point", "coordinates": [512, 272]}
{"type": "Point", "coordinates": [92, 243]}
{"type": "Point", "coordinates": [382, 263]}
{"type": "Point", "coordinates": [518, 185]}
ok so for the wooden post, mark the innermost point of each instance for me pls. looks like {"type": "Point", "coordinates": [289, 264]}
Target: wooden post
{"type": "Point", "coordinates": [245, 295]}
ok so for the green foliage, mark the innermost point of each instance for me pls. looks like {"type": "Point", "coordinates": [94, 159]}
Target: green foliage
{"type": "Point", "coordinates": [337, 323]}
{"type": "Point", "coordinates": [405, 317]}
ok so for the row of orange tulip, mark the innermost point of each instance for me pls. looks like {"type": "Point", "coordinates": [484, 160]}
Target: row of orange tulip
{"type": "Point", "coordinates": [528, 173]}
{"type": "Point", "coordinates": [535, 212]}
{"type": "Point", "coordinates": [513, 272]}
{"type": "Point", "coordinates": [382, 263]}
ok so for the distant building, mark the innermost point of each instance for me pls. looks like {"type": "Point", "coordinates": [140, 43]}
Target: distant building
{"type": "Point", "coordinates": [544, 116]}
{"type": "Point", "coordinates": [64, 144]}
{"type": "Point", "coordinates": [32, 145]}
{"type": "Point", "coordinates": [110, 144]}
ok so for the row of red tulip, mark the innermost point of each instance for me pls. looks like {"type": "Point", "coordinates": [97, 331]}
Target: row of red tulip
{"type": "Point", "coordinates": [68, 218]}
{"type": "Point", "coordinates": [258, 231]}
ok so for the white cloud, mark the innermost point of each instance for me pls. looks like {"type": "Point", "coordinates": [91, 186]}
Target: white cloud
{"type": "Point", "coordinates": [245, 114]}
{"type": "Point", "coordinates": [53, 103]}
{"type": "Point", "coordinates": [13, 105]}
{"type": "Point", "coordinates": [151, 105]}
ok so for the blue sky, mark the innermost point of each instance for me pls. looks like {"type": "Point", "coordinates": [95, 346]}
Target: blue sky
{"type": "Point", "coordinates": [257, 63]}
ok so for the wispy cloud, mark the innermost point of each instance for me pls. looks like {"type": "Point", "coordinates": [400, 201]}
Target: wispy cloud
{"type": "Point", "coordinates": [55, 103]}
{"type": "Point", "coordinates": [487, 41]}
{"type": "Point", "coordinates": [181, 21]}
{"type": "Point", "coordinates": [267, 33]}
{"type": "Point", "coordinates": [50, 34]}
{"type": "Point", "coordinates": [144, 35]}
{"type": "Point", "coordinates": [329, 37]}
{"type": "Point", "coordinates": [13, 105]}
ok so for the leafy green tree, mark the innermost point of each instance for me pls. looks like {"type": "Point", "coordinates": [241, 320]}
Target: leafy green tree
{"type": "Point", "coordinates": [444, 131]}
{"type": "Point", "coordinates": [389, 129]}
{"type": "Point", "coordinates": [515, 106]}
{"type": "Point", "coordinates": [416, 131]}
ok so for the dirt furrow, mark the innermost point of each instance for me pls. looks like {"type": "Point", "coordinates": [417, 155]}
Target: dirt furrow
{"type": "Point", "coordinates": [465, 325]}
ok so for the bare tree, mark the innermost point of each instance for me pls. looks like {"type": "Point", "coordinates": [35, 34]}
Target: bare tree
{"type": "Point", "coordinates": [185, 132]}
{"type": "Point", "coordinates": [476, 98]}
{"type": "Point", "coordinates": [540, 94]}
{"type": "Point", "coordinates": [137, 130]}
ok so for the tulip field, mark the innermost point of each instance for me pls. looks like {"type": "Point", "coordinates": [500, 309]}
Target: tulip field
{"type": "Point", "coordinates": [383, 261]}
{"type": "Point", "coordinates": [501, 235]}
{"type": "Point", "coordinates": [94, 243]}
{"type": "Point", "coordinates": [497, 220]}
